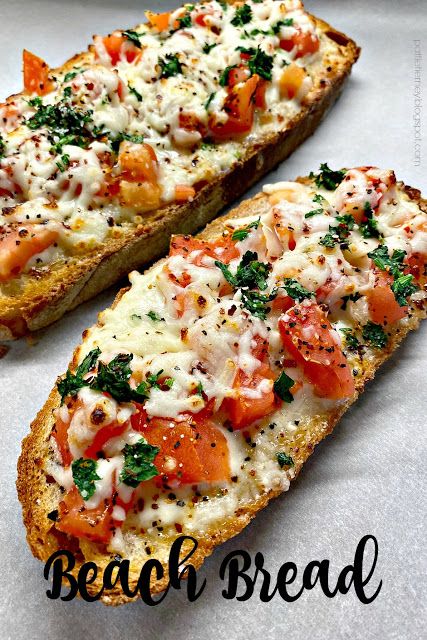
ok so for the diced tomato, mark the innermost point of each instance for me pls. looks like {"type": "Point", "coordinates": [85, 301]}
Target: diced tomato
{"type": "Point", "coordinates": [383, 307]}
{"type": "Point", "coordinates": [190, 122]}
{"type": "Point", "coordinates": [138, 162]}
{"type": "Point", "coordinates": [306, 43]}
{"type": "Point", "coordinates": [138, 185]}
{"type": "Point", "coordinates": [138, 420]}
{"type": "Point", "coordinates": [223, 249]}
{"type": "Point", "coordinates": [200, 19]}
{"type": "Point", "coordinates": [239, 106]}
{"type": "Point", "coordinates": [190, 452]}
{"type": "Point", "coordinates": [291, 80]}
{"type": "Point", "coordinates": [76, 520]}
{"type": "Point", "coordinates": [36, 75]}
{"type": "Point", "coordinates": [145, 196]}
{"type": "Point", "coordinates": [60, 434]}
{"type": "Point", "coordinates": [243, 410]}
{"type": "Point", "coordinates": [282, 303]}
{"type": "Point", "coordinates": [158, 21]}
{"type": "Point", "coordinates": [260, 102]}
{"type": "Point", "coordinates": [114, 46]}
{"type": "Point", "coordinates": [184, 192]}
{"type": "Point", "coordinates": [17, 247]}
{"type": "Point", "coordinates": [307, 336]}
{"type": "Point", "coordinates": [416, 265]}
{"type": "Point", "coordinates": [102, 437]}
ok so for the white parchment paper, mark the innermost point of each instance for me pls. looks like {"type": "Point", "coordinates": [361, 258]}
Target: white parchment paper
{"type": "Point", "coordinates": [367, 478]}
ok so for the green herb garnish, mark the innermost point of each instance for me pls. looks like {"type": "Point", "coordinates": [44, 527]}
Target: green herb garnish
{"type": "Point", "coordinates": [314, 212]}
{"type": "Point", "coordinates": [71, 384]}
{"type": "Point", "coordinates": [207, 48]}
{"type": "Point", "coordinates": [64, 162]}
{"type": "Point", "coordinates": [403, 287]}
{"type": "Point", "coordinates": [134, 37]}
{"type": "Point", "coordinates": [374, 334]}
{"type": "Point", "coordinates": [284, 460]}
{"type": "Point", "coordinates": [138, 465]}
{"type": "Point", "coordinates": [154, 316]}
{"type": "Point", "coordinates": [282, 387]}
{"type": "Point", "coordinates": [242, 234]}
{"type": "Point", "coordinates": [170, 66]}
{"type": "Point", "coordinates": [223, 79]}
{"type": "Point", "coordinates": [327, 178]}
{"type": "Point", "coordinates": [295, 290]}
{"type": "Point", "coordinates": [383, 261]}
{"type": "Point", "coordinates": [242, 16]}
{"type": "Point", "coordinates": [134, 92]}
{"type": "Point", "coordinates": [84, 476]}
{"type": "Point", "coordinates": [351, 339]}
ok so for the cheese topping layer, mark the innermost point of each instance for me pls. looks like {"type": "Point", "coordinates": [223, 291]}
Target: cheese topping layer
{"type": "Point", "coordinates": [145, 118]}
{"type": "Point", "coordinates": [191, 396]}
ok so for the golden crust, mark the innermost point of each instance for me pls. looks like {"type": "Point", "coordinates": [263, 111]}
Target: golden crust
{"type": "Point", "coordinates": [39, 495]}
{"type": "Point", "coordinates": [31, 303]}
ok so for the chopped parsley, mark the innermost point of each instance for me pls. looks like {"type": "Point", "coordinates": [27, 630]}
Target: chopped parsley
{"type": "Point", "coordinates": [284, 460]}
{"type": "Point", "coordinates": [70, 75]}
{"type": "Point", "coordinates": [327, 178]}
{"type": "Point", "coordinates": [138, 466]}
{"type": "Point", "coordinates": [327, 241]}
{"type": "Point", "coordinates": [170, 65]}
{"type": "Point", "coordinates": [154, 316]}
{"type": "Point", "coordinates": [351, 339]}
{"type": "Point", "coordinates": [242, 16]}
{"type": "Point", "coordinates": [209, 100]}
{"type": "Point", "coordinates": [338, 233]}
{"type": "Point", "coordinates": [369, 226]}
{"type": "Point", "coordinates": [65, 124]}
{"type": "Point", "coordinates": [134, 92]}
{"type": "Point", "coordinates": [314, 212]}
{"type": "Point", "coordinates": [319, 199]}
{"type": "Point", "coordinates": [259, 62]}
{"type": "Point", "coordinates": [282, 387]}
{"type": "Point", "coordinates": [134, 37]}
{"type": "Point", "coordinates": [383, 261]}
{"type": "Point", "coordinates": [295, 290]}
{"type": "Point", "coordinates": [199, 389]}
{"type": "Point", "coordinates": [256, 302]}
{"type": "Point", "coordinates": [242, 234]}
{"type": "Point", "coordinates": [71, 384]}
{"type": "Point", "coordinates": [374, 335]}
{"type": "Point", "coordinates": [113, 378]}
{"type": "Point", "coordinates": [2, 146]}
{"type": "Point", "coordinates": [185, 21]}
{"type": "Point", "coordinates": [84, 476]}
{"type": "Point", "coordinates": [207, 47]}
{"type": "Point", "coordinates": [287, 22]}
{"type": "Point", "coordinates": [64, 162]}
{"type": "Point", "coordinates": [403, 287]}
{"type": "Point", "coordinates": [250, 273]}
{"type": "Point", "coordinates": [353, 297]}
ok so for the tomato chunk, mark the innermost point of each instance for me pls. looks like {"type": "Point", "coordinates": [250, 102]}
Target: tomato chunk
{"type": "Point", "coordinates": [240, 108]}
{"type": "Point", "coordinates": [383, 307]}
{"type": "Point", "coordinates": [36, 75]}
{"type": "Point", "coordinates": [18, 246]}
{"type": "Point", "coordinates": [76, 520]}
{"type": "Point", "coordinates": [158, 21]}
{"type": "Point", "coordinates": [244, 409]}
{"type": "Point", "coordinates": [291, 80]}
{"type": "Point", "coordinates": [60, 434]}
{"type": "Point", "coordinates": [308, 337]}
{"type": "Point", "coordinates": [191, 451]}
{"type": "Point", "coordinates": [223, 249]}
{"type": "Point", "coordinates": [184, 192]}
{"type": "Point", "coordinates": [118, 46]}
{"type": "Point", "coordinates": [305, 43]}
{"type": "Point", "coordinates": [102, 437]}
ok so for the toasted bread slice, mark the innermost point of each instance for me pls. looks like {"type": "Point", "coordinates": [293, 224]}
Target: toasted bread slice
{"type": "Point", "coordinates": [397, 215]}
{"type": "Point", "coordinates": [43, 293]}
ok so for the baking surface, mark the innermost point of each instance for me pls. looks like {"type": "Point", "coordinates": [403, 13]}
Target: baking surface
{"type": "Point", "coordinates": [367, 478]}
